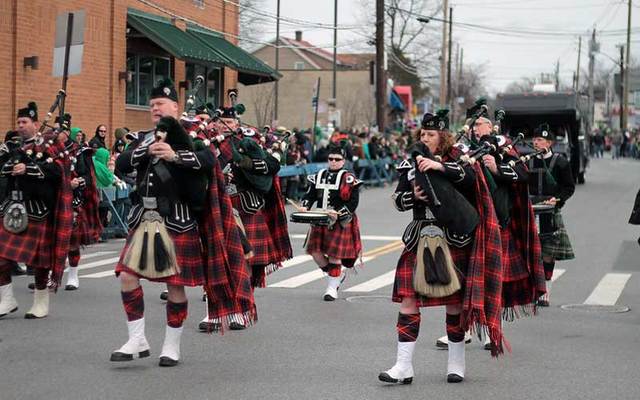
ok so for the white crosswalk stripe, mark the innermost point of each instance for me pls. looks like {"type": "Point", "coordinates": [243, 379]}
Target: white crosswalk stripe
{"type": "Point", "coordinates": [307, 277]}
{"type": "Point", "coordinates": [98, 263]}
{"type": "Point", "coordinates": [608, 290]}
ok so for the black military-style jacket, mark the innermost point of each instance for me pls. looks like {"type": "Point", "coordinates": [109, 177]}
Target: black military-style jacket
{"type": "Point", "coordinates": [38, 187]}
{"type": "Point", "coordinates": [504, 178]}
{"type": "Point", "coordinates": [463, 179]}
{"type": "Point", "coordinates": [551, 176]}
{"type": "Point", "coordinates": [177, 190]}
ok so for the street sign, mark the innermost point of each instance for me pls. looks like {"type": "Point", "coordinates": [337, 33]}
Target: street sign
{"type": "Point", "coordinates": [77, 43]}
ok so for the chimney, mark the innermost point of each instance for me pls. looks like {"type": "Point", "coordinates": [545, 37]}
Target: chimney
{"type": "Point", "coordinates": [298, 36]}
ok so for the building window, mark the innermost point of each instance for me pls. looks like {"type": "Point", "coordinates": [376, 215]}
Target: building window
{"type": "Point", "coordinates": [209, 92]}
{"type": "Point", "coordinates": [636, 98]}
{"type": "Point", "coordinates": [146, 72]}
{"type": "Point", "coordinates": [298, 65]}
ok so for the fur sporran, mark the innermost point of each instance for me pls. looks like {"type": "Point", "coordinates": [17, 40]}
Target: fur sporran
{"type": "Point", "coordinates": [151, 252]}
{"type": "Point", "coordinates": [15, 218]}
{"type": "Point", "coordinates": [435, 273]}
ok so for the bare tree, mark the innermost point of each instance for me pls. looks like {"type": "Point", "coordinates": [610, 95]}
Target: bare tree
{"type": "Point", "coordinates": [262, 101]}
{"type": "Point", "coordinates": [415, 46]}
{"type": "Point", "coordinates": [251, 23]}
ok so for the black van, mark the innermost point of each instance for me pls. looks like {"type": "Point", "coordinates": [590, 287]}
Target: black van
{"type": "Point", "coordinates": [566, 114]}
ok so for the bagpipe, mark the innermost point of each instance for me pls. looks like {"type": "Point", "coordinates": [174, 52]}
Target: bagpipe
{"type": "Point", "coordinates": [447, 204]}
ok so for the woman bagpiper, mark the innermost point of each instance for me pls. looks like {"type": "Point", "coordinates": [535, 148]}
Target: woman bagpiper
{"type": "Point", "coordinates": [452, 253]}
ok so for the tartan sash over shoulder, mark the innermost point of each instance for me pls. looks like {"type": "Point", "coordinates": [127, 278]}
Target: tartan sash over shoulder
{"type": "Point", "coordinates": [228, 283]}
{"type": "Point", "coordinates": [482, 300]}
{"type": "Point", "coordinates": [62, 218]}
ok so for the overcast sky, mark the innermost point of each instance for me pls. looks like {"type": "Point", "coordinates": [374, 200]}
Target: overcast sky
{"type": "Point", "coordinates": [506, 56]}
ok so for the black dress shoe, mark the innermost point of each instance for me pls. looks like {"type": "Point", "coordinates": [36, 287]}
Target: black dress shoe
{"type": "Point", "coordinates": [117, 356]}
{"type": "Point", "coordinates": [454, 378]}
{"type": "Point", "coordinates": [32, 286]}
{"type": "Point", "coordinates": [384, 377]}
{"type": "Point", "coordinates": [167, 362]}
{"type": "Point", "coordinates": [205, 326]}
{"type": "Point", "coordinates": [18, 270]}
{"type": "Point", "coordinates": [543, 303]}
{"type": "Point", "coordinates": [164, 295]}
{"type": "Point", "coordinates": [70, 287]}
{"type": "Point", "coordinates": [236, 326]}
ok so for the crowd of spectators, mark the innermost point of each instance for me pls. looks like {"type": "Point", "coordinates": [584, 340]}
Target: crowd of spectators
{"type": "Point", "coordinates": [620, 144]}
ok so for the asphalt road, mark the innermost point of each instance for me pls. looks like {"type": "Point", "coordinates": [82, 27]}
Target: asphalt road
{"type": "Point", "coordinates": [304, 348]}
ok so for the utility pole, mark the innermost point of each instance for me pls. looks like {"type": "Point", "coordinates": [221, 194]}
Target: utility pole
{"type": "Point", "coordinates": [577, 87]}
{"type": "Point", "coordinates": [443, 56]}
{"type": "Point", "coordinates": [626, 78]}
{"type": "Point", "coordinates": [457, 91]}
{"type": "Point", "coordinates": [622, 86]}
{"type": "Point", "coordinates": [449, 60]}
{"type": "Point", "coordinates": [335, 49]}
{"type": "Point", "coordinates": [593, 48]}
{"type": "Point", "coordinates": [275, 104]}
{"type": "Point", "coordinates": [381, 82]}
{"type": "Point", "coordinates": [557, 77]}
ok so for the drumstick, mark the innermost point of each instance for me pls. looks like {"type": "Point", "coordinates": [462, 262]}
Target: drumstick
{"type": "Point", "coordinates": [293, 203]}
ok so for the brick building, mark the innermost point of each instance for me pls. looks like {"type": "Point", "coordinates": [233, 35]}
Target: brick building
{"type": "Point", "coordinates": [301, 64]}
{"type": "Point", "coordinates": [128, 46]}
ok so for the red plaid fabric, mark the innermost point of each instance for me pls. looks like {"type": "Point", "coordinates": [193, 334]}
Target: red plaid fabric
{"type": "Point", "coordinates": [133, 303]}
{"type": "Point", "coordinates": [258, 235]}
{"type": "Point", "coordinates": [523, 280]}
{"type": "Point", "coordinates": [176, 313]}
{"type": "Point", "coordinates": [276, 219]}
{"type": "Point", "coordinates": [337, 242]}
{"type": "Point", "coordinates": [408, 327]}
{"type": "Point", "coordinates": [62, 217]}
{"type": "Point", "coordinates": [32, 247]}
{"type": "Point", "coordinates": [403, 283]}
{"type": "Point", "coordinates": [227, 280]}
{"type": "Point", "coordinates": [482, 299]}
{"type": "Point", "coordinates": [88, 226]}
{"type": "Point", "coordinates": [188, 254]}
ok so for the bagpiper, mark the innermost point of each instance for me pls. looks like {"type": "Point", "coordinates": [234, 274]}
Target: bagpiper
{"type": "Point", "coordinates": [336, 191]}
{"type": "Point", "coordinates": [36, 211]}
{"type": "Point", "coordinates": [551, 182]}
{"type": "Point", "coordinates": [86, 216]}
{"type": "Point", "coordinates": [182, 231]}
{"type": "Point", "coordinates": [452, 253]}
{"type": "Point", "coordinates": [254, 187]}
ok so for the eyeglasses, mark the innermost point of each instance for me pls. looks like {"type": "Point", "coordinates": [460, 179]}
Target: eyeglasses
{"type": "Point", "coordinates": [102, 131]}
{"type": "Point", "coordinates": [336, 159]}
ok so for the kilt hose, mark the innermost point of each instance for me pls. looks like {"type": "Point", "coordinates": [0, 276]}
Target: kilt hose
{"type": "Point", "coordinates": [559, 245]}
{"type": "Point", "coordinates": [336, 241]}
{"type": "Point", "coordinates": [188, 253]}
{"type": "Point", "coordinates": [403, 283]}
{"type": "Point", "coordinates": [32, 247]}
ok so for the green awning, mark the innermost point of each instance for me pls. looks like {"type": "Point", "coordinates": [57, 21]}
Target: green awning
{"type": "Point", "coordinates": [251, 70]}
{"type": "Point", "coordinates": [176, 42]}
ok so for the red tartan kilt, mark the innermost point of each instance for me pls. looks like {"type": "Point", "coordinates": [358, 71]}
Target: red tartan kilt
{"type": "Point", "coordinates": [31, 247]}
{"type": "Point", "coordinates": [513, 265]}
{"type": "Point", "coordinates": [403, 283]}
{"type": "Point", "coordinates": [189, 256]}
{"type": "Point", "coordinates": [81, 234]}
{"type": "Point", "coordinates": [336, 242]}
{"type": "Point", "coordinates": [259, 237]}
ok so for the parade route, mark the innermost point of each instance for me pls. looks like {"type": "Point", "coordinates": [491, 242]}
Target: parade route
{"type": "Point", "coordinates": [305, 348]}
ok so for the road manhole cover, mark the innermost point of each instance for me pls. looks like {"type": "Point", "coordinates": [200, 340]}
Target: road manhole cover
{"type": "Point", "coordinates": [369, 299]}
{"type": "Point", "coordinates": [595, 308]}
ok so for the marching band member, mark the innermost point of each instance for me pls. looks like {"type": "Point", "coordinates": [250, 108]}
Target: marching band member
{"type": "Point", "coordinates": [36, 211]}
{"type": "Point", "coordinates": [182, 231]}
{"type": "Point", "coordinates": [336, 190]}
{"type": "Point", "coordinates": [551, 182]}
{"type": "Point", "coordinates": [86, 224]}
{"type": "Point", "coordinates": [452, 250]}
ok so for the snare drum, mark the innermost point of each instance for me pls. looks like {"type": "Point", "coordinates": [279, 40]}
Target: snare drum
{"type": "Point", "coordinates": [545, 220]}
{"type": "Point", "coordinates": [318, 218]}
